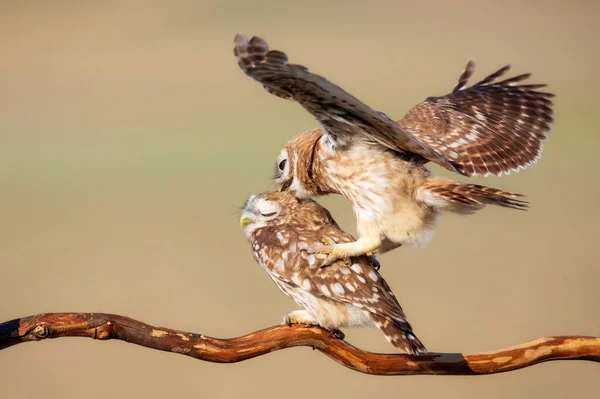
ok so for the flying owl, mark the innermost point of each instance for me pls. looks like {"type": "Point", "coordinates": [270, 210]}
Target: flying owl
{"type": "Point", "coordinates": [280, 228]}
{"type": "Point", "coordinates": [490, 128]}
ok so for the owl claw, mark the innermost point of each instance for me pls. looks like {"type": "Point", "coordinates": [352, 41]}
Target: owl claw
{"type": "Point", "coordinates": [327, 241]}
{"type": "Point", "coordinates": [375, 264]}
{"type": "Point", "coordinates": [337, 334]}
{"type": "Point", "coordinates": [287, 321]}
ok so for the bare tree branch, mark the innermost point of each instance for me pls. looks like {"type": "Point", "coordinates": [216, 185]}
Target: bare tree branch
{"type": "Point", "coordinates": [104, 326]}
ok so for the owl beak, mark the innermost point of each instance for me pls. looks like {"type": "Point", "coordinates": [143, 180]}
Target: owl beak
{"type": "Point", "coordinates": [284, 186]}
{"type": "Point", "coordinates": [245, 220]}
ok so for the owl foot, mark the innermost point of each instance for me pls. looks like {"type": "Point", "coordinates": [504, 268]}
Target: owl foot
{"type": "Point", "coordinates": [329, 248]}
{"type": "Point", "coordinates": [374, 264]}
{"type": "Point", "coordinates": [299, 317]}
{"type": "Point", "coordinates": [332, 255]}
{"type": "Point", "coordinates": [335, 333]}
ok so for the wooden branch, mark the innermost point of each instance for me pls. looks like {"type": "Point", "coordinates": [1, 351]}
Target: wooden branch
{"type": "Point", "coordinates": [104, 326]}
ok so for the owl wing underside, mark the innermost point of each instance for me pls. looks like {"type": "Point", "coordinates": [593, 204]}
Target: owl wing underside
{"type": "Point", "coordinates": [342, 115]}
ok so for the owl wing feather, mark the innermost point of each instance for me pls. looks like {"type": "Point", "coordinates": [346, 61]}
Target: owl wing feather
{"type": "Point", "coordinates": [492, 127]}
{"type": "Point", "coordinates": [342, 115]}
{"type": "Point", "coordinates": [359, 285]}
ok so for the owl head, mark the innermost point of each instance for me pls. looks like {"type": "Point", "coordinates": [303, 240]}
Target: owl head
{"type": "Point", "coordinates": [267, 209]}
{"type": "Point", "coordinates": [295, 165]}
{"type": "Point", "coordinates": [278, 208]}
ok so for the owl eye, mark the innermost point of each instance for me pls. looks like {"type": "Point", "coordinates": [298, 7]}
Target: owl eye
{"type": "Point", "coordinates": [268, 214]}
{"type": "Point", "coordinates": [282, 164]}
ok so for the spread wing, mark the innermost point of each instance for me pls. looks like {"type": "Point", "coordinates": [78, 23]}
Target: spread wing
{"type": "Point", "coordinates": [492, 127]}
{"type": "Point", "coordinates": [342, 115]}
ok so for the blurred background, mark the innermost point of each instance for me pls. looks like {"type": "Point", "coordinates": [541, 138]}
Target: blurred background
{"type": "Point", "coordinates": [129, 139]}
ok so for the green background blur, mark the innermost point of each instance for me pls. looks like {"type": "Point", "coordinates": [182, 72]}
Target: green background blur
{"type": "Point", "coordinates": [129, 139]}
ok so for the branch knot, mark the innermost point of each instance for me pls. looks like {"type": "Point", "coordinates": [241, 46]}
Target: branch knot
{"type": "Point", "coordinates": [42, 331]}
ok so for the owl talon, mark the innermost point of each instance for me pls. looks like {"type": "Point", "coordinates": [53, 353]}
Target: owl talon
{"type": "Point", "coordinates": [375, 264]}
{"type": "Point", "coordinates": [289, 322]}
{"type": "Point", "coordinates": [329, 249]}
{"type": "Point", "coordinates": [337, 334]}
{"type": "Point", "coordinates": [327, 241]}
{"type": "Point", "coordinates": [326, 248]}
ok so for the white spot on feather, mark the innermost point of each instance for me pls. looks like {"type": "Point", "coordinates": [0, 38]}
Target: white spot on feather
{"type": "Point", "coordinates": [372, 275]}
{"type": "Point", "coordinates": [306, 285]}
{"type": "Point", "coordinates": [338, 289]}
{"type": "Point", "coordinates": [458, 143]}
{"type": "Point", "coordinates": [280, 265]}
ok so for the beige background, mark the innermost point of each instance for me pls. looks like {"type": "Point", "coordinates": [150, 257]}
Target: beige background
{"type": "Point", "coordinates": [129, 138]}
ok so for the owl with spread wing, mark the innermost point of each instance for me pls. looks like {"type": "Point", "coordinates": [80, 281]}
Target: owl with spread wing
{"type": "Point", "coordinates": [493, 127]}
{"type": "Point", "coordinates": [280, 227]}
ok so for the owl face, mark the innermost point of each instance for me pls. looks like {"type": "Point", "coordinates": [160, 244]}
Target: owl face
{"type": "Point", "coordinates": [266, 209]}
{"type": "Point", "coordinates": [295, 164]}
{"type": "Point", "coordinates": [284, 171]}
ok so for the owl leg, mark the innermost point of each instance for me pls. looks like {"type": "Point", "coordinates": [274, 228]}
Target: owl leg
{"type": "Point", "coordinates": [326, 248]}
{"type": "Point", "coordinates": [362, 246]}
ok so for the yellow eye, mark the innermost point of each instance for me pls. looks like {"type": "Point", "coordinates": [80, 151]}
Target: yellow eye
{"type": "Point", "coordinates": [268, 214]}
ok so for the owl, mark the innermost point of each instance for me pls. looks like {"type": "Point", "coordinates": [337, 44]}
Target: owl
{"type": "Point", "coordinates": [281, 228]}
{"type": "Point", "coordinates": [493, 127]}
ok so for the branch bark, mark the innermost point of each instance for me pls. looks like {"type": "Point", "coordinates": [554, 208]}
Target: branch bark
{"type": "Point", "coordinates": [104, 326]}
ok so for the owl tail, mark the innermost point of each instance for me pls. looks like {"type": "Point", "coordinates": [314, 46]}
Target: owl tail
{"type": "Point", "coordinates": [454, 196]}
{"type": "Point", "coordinates": [399, 334]}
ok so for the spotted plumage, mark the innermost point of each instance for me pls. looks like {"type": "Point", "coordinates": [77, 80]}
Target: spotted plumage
{"type": "Point", "coordinates": [281, 228]}
{"type": "Point", "coordinates": [490, 128]}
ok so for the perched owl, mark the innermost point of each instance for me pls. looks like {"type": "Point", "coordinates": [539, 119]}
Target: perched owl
{"type": "Point", "coordinates": [493, 127]}
{"type": "Point", "coordinates": [281, 228]}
